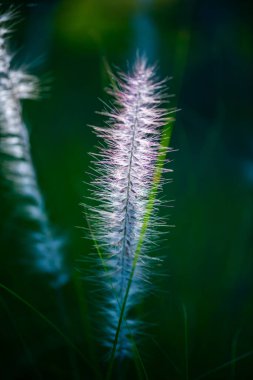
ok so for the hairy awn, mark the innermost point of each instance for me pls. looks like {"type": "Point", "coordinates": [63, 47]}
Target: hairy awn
{"type": "Point", "coordinates": [18, 176]}
{"type": "Point", "coordinates": [125, 170]}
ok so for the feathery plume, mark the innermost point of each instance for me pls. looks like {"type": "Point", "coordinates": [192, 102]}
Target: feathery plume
{"type": "Point", "coordinates": [125, 173]}
{"type": "Point", "coordinates": [17, 174]}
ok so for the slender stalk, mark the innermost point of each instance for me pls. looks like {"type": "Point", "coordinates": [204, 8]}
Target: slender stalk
{"type": "Point", "coordinates": [165, 141]}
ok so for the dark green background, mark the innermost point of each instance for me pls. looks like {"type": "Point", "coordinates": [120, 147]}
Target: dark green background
{"type": "Point", "coordinates": [206, 46]}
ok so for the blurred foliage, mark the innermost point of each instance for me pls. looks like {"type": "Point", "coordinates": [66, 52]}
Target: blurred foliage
{"type": "Point", "coordinates": [204, 294]}
{"type": "Point", "coordinates": [94, 21]}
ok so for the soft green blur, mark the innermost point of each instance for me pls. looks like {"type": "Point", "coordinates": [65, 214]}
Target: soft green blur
{"type": "Point", "coordinates": [199, 316]}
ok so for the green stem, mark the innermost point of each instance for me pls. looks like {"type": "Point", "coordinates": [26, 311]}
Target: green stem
{"type": "Point", "coordinates": [150, 204]}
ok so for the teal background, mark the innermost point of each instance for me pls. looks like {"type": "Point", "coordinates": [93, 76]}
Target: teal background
{"type": "Point", "coordinates": [199, 316]}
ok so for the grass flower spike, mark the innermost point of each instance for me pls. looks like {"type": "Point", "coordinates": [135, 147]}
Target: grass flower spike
{"type": "Point", "coordinates": [126, 167]}
{"type": "Point", "coordinates": [17, 174]}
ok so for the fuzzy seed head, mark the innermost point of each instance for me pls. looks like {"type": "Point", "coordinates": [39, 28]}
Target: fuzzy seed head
{"type": "Point", "coordinates": [17, 172]}
{"type": "Point", "coordinates": [125, 170]}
